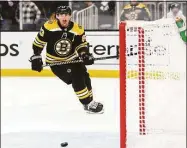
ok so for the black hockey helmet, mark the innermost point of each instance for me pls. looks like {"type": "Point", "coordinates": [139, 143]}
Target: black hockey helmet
{"type": "Point", "coordinates": [63, 10]}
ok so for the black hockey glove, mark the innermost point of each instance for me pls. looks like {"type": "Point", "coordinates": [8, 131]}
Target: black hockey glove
{"type": "Point", "coordinates": [87, 58]}
{"type": "Point", "coordinates": [36, 63]}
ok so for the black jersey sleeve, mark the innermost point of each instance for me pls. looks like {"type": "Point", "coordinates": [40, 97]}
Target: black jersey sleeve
{"type": "Point", "coordinates": [147, 14]}
{"type": "Point", "coordinates": [40, 40]}
{"type": "Point", "coordinates": [82, 43]}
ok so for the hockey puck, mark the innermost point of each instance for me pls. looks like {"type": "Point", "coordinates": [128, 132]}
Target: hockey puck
{"type": "Point", "coordinates": [64, 144]}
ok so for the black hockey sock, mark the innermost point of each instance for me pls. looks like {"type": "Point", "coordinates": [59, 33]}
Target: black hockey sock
{"type": "Point", "coordinates": [84, 96]}
{"type": "Point", "coordinates": [91, 94]}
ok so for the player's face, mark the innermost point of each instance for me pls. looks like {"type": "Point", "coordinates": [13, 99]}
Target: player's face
{"type": "Point", "coordinates": [64, 19]}
{"type": "Point", "coordinates": [175, 11]}
{"type": "Point", "coordinates": [134, 2]}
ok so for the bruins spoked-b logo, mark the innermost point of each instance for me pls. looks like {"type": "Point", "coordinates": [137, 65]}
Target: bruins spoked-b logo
{"type": "Point", "coordinates": [63, 47]}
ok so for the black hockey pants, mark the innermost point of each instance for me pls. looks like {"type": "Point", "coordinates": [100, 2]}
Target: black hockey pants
{"type": "Point", "coordinates": [77, 75]}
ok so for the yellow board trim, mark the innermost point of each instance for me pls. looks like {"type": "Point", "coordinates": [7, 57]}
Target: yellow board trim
{"type": "Point", "coordinates": [48, 73]}
{"type": "Point", "coordinates": [157, 75]}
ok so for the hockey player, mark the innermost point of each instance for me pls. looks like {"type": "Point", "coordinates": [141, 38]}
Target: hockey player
{"type": "Point", "coordinates": [135, 10]}
{"type": "Point", "coordinates": [66, 41]}
{"type": "Point", "coordinates": [177, 15]}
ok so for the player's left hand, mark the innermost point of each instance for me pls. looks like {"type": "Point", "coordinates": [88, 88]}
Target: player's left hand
{"type": "Point", "coordinates": [87, 58]}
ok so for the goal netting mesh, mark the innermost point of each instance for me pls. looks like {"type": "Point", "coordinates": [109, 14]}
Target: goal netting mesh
{"type": "Point", "coordinates": [152, 85]}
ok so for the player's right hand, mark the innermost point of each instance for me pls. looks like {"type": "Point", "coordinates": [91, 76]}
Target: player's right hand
{"type": "Point", "coordinates": [87, 58]}
{"type": "Point", "coordinates": [36, 63]}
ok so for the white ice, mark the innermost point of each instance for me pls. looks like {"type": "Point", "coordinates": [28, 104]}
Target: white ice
{"type": "Point", "coordinates": [43, 112]}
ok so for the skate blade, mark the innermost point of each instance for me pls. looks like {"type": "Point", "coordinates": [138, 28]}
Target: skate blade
{"type": "Point", "coordinates": [101, 112]}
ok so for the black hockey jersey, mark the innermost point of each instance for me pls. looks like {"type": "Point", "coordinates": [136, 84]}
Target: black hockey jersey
{"type": "Point", "coordinates": [63, 44]}
{"type": "Point", "coordinates": [135, 12]}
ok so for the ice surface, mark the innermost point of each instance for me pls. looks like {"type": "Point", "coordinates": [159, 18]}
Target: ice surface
{"type": "Point", "coordinates": [53, 140]}
{"type": "Point", "coordinates": [43, 112]}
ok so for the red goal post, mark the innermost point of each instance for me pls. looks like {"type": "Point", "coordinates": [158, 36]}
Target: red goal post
{"type": "Point", "coordinates": [149, 63]}
{"type": "Point", "coordinates": [122, 43]}
{"type": "Point", "coordinates": [141, 77]}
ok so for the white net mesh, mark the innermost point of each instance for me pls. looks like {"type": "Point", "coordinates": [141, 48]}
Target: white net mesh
{"type": "Point", "coordinates": [155, 86]}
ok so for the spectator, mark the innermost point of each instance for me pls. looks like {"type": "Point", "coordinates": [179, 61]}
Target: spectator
{"type": "Point", "coordinates": [175, 12]}
{"type": "Point", "coordinates": [1, 18]}
{"type": "Point", "coordinates": [43, 17]}
{"type": "Point", "coordinates": [135, 11]}
{"type": "Point", "coordinates": [87, 17]}
{"type": "Point", "coordinates": [51, 6]}
{"type": "Point", "coordinates": [81, 5]}
{"type": "Point", "coordinates": [7, 15]}
{"type": "Point", "coordinates": [88, 3]}
{"type": "Point", "coordinates": [106, 14]}
{"type": "Point", "coordinates": [31, 15]}
{"type": "Point", "coordinates": [47, 9]}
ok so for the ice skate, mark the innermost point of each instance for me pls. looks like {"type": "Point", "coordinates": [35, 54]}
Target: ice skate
{"type": "Point", "coordinates": [94, 108]}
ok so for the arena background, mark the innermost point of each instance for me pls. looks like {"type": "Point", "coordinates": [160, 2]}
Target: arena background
{"type": "Point", "coordinates": [99, 18]}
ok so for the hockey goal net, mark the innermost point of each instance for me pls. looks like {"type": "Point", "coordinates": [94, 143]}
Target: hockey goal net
{"type": "Point", "coordinates": [152, 85]}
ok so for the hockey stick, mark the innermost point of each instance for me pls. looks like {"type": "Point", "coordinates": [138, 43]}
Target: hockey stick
{"type": "Point", "coordinates": [79, 61]}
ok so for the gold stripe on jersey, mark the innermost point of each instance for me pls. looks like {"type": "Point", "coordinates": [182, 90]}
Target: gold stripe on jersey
{"type": "Point", "coordinates": [38, 45]}
{"type": "Point", "coordinates": [57, 59]}
{"type": "Point", "coordinates": [51, 62]}
{"type": "Point", "coordinates": [81, 46]}
{"type": "Point", "coordinates": [37, 42]}
{"type": "Point", "coordinates": [147, 10]}
{"type": "Point", "coordinates": [51, 58]}
{"type": "Point", "coordinates": [40, 41]}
